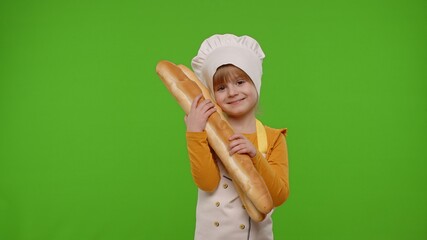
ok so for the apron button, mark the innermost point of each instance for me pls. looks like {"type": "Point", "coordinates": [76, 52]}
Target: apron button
{"type": "Point", "coordinates": [242, 226]}
{"type": "Point", "coordinates": [225, 186]}
{"type": "Point", "coordinates": [216, 224]}
{"type": "Point", "coordinates": [217, 204]}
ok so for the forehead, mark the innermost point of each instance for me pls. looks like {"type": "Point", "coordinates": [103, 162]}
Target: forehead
{"type": "Point", "coordinates": [228, 73]}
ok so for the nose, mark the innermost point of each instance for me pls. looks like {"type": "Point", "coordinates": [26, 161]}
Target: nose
{"type": "Point", "coordinates": [232, 91]}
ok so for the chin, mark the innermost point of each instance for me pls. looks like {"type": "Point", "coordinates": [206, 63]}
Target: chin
{"type": "Point", "coordinates": [236, 114]}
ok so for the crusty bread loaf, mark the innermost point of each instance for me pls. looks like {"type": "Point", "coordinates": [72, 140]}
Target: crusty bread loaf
{"type": "Point", "coordinates": [250, 208]}
{"type": "Point", "coordinates": [252, 190]}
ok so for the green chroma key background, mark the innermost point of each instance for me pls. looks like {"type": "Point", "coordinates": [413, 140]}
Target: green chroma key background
{"type": "Point", "coordinates": [92, 145]}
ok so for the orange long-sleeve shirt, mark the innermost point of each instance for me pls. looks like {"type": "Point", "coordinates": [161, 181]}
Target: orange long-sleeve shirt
{"type": "Point", "coordinates": [273, 168]}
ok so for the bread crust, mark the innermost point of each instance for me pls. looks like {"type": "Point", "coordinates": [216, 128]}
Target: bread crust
{"type": "Point", "coordinates": [184, 86]}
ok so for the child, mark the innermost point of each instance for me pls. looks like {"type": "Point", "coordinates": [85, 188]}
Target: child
{"type": "Point", "coordinates": [231, 67]}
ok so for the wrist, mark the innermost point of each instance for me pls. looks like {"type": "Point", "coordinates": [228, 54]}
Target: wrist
{"type": "Point", "coordinates": [189, 129]}
{"type": "Point", "coordinates": [193, 128]}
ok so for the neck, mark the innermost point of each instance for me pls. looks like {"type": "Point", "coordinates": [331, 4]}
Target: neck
{"type": "Point", "coordinates": [244, 124]}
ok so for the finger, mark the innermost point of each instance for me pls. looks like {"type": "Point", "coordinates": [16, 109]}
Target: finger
{"type": "Point", "coordinates": [204, 103]}
{"type": "Point", "coordinates": [243, 151]}
{"type": "Point", "coordinates": [235, 136]}
{"type": "Point", "coordinates": [237, 143]}
{"type": "Point", "coordinates": [207, 107]}
{"type": "Point", "coordinates": [195, 101]}
{"type": "Point", "coordinates": [236, 149]}
{"type": "Point", "coordinates": [210, 112]}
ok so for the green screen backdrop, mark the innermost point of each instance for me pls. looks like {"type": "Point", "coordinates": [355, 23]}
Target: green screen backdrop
{"type": "Point", "coordinates": [92, 145]}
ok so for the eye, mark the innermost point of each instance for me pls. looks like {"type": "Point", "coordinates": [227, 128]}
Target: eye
{"type": "Point", "coordinates": [220, 88]}
{"type": "Point", "coordinates": [240, 82]}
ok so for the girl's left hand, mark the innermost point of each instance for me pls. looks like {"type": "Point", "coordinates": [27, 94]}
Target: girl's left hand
{"type": "Point", "coordinates": [240, 144]}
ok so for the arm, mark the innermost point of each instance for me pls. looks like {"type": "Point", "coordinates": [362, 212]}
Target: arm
{"type": "Point", "coordinates": [274, 170]}
{"type": "Point", "coordinates": [203, 167]}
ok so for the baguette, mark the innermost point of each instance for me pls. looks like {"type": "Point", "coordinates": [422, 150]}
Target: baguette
{"type": "Point", "coordinates": [253, 192]}
{"type": "Point", "coordinates": [248, 205]}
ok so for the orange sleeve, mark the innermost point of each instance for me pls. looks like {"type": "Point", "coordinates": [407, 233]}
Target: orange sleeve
{"type": "Point", "coordinates": [274, 170]}
{"type": "Point", "coordinates": [203, 167]}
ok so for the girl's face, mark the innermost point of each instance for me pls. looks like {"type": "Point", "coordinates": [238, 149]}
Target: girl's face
{"type": "Point", "coordinates": [234, 92]}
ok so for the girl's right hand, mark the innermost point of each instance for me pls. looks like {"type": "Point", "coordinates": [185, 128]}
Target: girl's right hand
{"type": "Point", "coordinates": [199, 114]}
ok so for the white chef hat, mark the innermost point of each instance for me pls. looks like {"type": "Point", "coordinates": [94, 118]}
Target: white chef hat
{"type": "Point", "coordinates": [243, 52]}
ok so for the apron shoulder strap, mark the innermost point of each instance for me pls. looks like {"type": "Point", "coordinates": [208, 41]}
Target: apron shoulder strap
{"type": "Point", "coordinates": [262, 137]}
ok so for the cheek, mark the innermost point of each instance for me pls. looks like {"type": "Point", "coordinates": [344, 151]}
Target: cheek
{"type": "Point", "coordinates": [218, 98]}
{"type": "Point", "coordinates": [254, 93]}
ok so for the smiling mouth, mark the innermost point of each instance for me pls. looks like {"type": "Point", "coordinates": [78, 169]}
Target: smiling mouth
{"type": "Point", "coordinates": [237, 101]}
